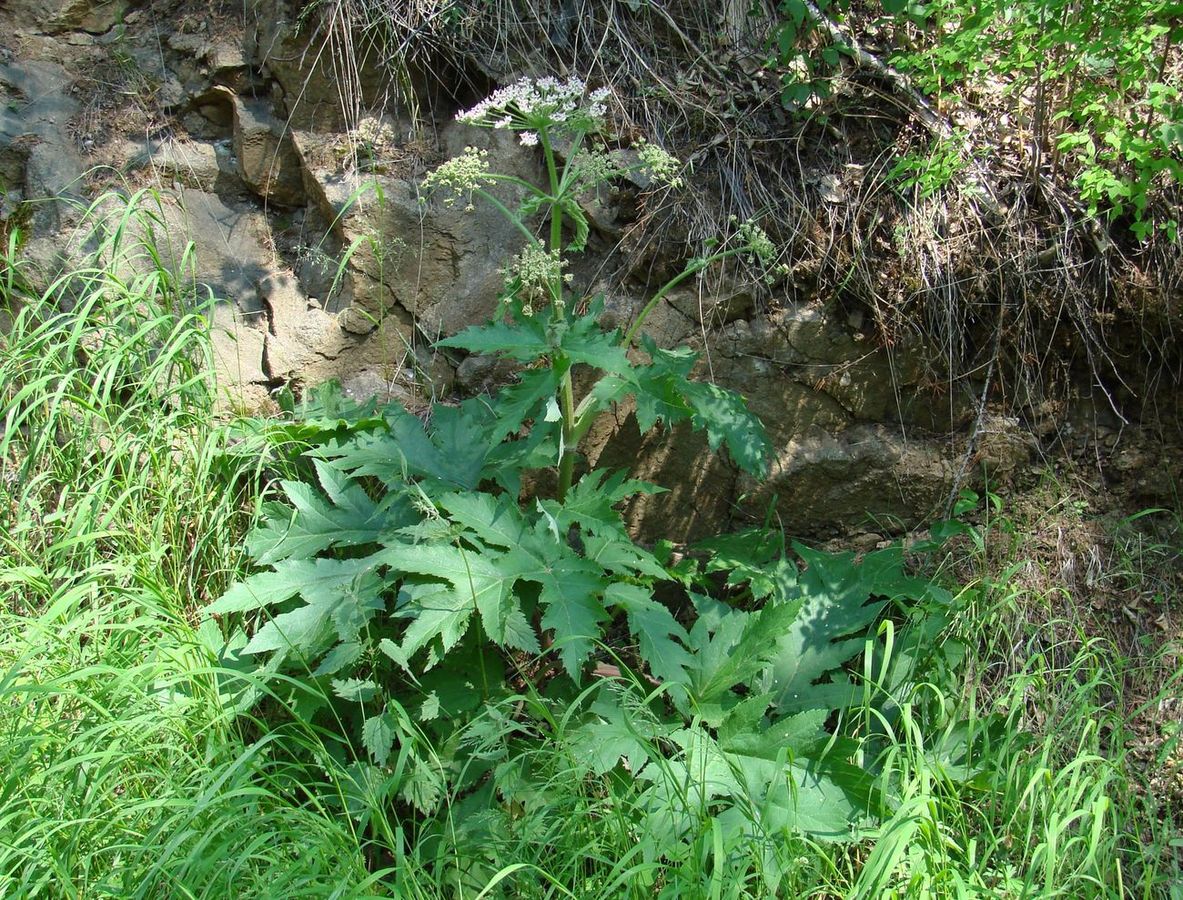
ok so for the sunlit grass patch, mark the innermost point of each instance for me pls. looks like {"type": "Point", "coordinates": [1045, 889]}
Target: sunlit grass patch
{"type": "Point", "coordinates": [123, 770]}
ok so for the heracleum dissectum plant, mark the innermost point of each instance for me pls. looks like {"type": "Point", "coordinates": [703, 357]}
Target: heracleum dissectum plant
{"type": "Point", "coordinates": [543, 113]}
{"type": "Point", "coordinates": [406, 572]}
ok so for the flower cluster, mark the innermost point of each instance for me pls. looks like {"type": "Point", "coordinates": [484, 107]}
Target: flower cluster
{"type": "Point", "coordinates": [756, 241]}
{"type": "Point", "coordinates": [529, 106]}
{"type": "Point", "coordinates": [374, 133]}
{"type": "Point", "coordinates": [658, 165]}
{"type": "Point", "coordinates": [596, 168]}
{"type": "Point", "coordinates": [534, 273]}
{"type": "Point", "coordinates": [461, 175]}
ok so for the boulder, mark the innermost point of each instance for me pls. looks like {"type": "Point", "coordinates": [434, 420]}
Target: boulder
{"type": "Point", "coordinates": [825, 482]}
{"type": "Point", "coordinates": [230, 240]}
{"type": "Point", "coordinates": [237, 349]}
{"type": "Point", "coordinates": [267, 160]}
{"type": "Point", "coordinates": [442, 264]}
{"type": "Point", "coordinates": [203, 165]}
{"type": "Point", "coordinates": [58, 16]}
{"type": "Point", "coordinates": [302, 51]}
{"type": "Point", "coordinates": [35, 142]}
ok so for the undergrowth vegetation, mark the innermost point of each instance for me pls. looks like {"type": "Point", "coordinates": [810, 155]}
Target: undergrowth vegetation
{"type": "Point", "coordinates": [335, 654]}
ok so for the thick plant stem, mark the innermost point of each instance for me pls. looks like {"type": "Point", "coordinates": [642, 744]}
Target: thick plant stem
{"type": "Point", "coordinates": [566, 389]}
{"type": "Point", "coordinates": [570, 439]}
{"type": "Point", "coordinates": [556, 210]}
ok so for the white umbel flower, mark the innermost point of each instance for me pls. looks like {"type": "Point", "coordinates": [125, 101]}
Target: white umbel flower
{"type": "Point", "coordinates": [461, 175]}
{"type": "Point", "coordinates": [662, 167]}
{"type": "Point", "coordinates": [530, 106]}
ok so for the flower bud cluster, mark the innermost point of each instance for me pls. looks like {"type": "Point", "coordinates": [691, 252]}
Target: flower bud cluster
{"type": "Point", "coordinates": [528, 106]}
{"type": "Point", "coordinates": [658, 165]}
{"type": "Point", "coordinates": [596, 168]}
{"type": "Point", "coordinates": [461, 175]}
{"type": "Point", "coordinates": [535, 272]}
{"type": "Point", "coordinates": [755, 240]}
{"type": "Point", "coordinates": [376, 134]}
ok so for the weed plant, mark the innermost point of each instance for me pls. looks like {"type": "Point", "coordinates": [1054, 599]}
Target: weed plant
{"type": "Point", "coordinates": [530, 702]}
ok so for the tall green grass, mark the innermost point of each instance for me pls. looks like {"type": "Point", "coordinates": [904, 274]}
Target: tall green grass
{"type": "Point", "coordinates": [123, 770]}
{"type": "Point", "coordinates": [1015, 778]}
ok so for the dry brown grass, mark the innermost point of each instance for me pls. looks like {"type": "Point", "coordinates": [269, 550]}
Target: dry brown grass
{"type": "Point", "coordinates": [1006, 277]}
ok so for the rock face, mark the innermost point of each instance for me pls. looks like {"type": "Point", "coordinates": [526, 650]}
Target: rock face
{"type": "Point", "coordinates": [295, 184]}
{"type": "Point", "coordinates": [39, 159]}
{"type": "Point", "coordinates": [267, 160]}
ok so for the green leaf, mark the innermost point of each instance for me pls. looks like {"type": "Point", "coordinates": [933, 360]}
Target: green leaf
{"type": "Point", "coordinates": [665, 393]}
{"type": "Point", "coordinates": [574, 612]}
{"type": "Point", "coordinates": [354, 689]}
{"type": "Point", "coordinates": [460, 436]}
{"type": "Point", "coordinates": [786, 38]}
{"type": "Point", "coordinates": [453, 454]}
{"type": "Point", "coordinates": [495, 520]}
{"type": "Point", "coordinates": [519, 633]}
{"type": "Point", "coordinates": [364, 788]}
{"type": "Point", "coordinates": [660, 636]}
{"type": "Point", "coordinates": [586, 342]}
{"type": "Point", "coordinates": [658, 386]}
{"type": "Point", "coordinates": [519, 402]}
{"type": "Point", "coordinates": [340, 657]}
{"type": "Point", "coordinates": [617, 730]}
{"type": "Point", "coordinates": [754, 557]}
{"type": "Point", "coordinates": [802, 735]}
{"type": "Point", "coordinates": [351, 519]}
{"type": "Point", "coordinates": [621, 556]}
{"type": "Point", "coordinates": [685, 788]}
{"type": "Point", "coordinates": [730, 647]}
{"type": "Point", "coordinates": [477, 582]}
{"type": "Point", "coordinates": [598, 747]}
{"type": "Point", "coordinates": [590, 501]}
{"type": "Point", "coordinates": [835, 611]}
{"type": "Point", "coordinates": [823, 800]}
{"type": "Point", "coordinates": [392, 650]}
{"type": "Point", "coordinates": [526, 341]}
{"type": "Point", "coordinates": [377, 736]}
{"type": "Point", "coordinates": [429, 709]}
{"type": "Point", "coordinates": [793, 94]}
{"type": "Point", "coordinates": [328, 586]}
{"type": "Point", "coordinates": [726, 419]}
{"type": "Point", "coordinates": [473, 675]}
{"type": "Point", "coordinates": [424, 785]}
{"type": "Point", "coordinates": [260, 590]}
{"type": "Point", "coordinates": [530, 205]}
{"type": "Point", "coordinates": [308, 629]}
{"type": "Point", "coordinates": [440, 613]}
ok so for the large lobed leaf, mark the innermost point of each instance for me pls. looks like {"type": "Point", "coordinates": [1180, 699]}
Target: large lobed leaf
{"type": "Point", "coordinates": [839, 599]}
{"type": "Point", "coordinates": [314, 523]}
{"type": "Point", "coordinates": [452, 453]}
{"type": "Point", "coordinates": [664, 392]}
{"type": "Point", "coordinates": [340, 596]}
{"type": "Point", "coordinates": [578, 339]}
